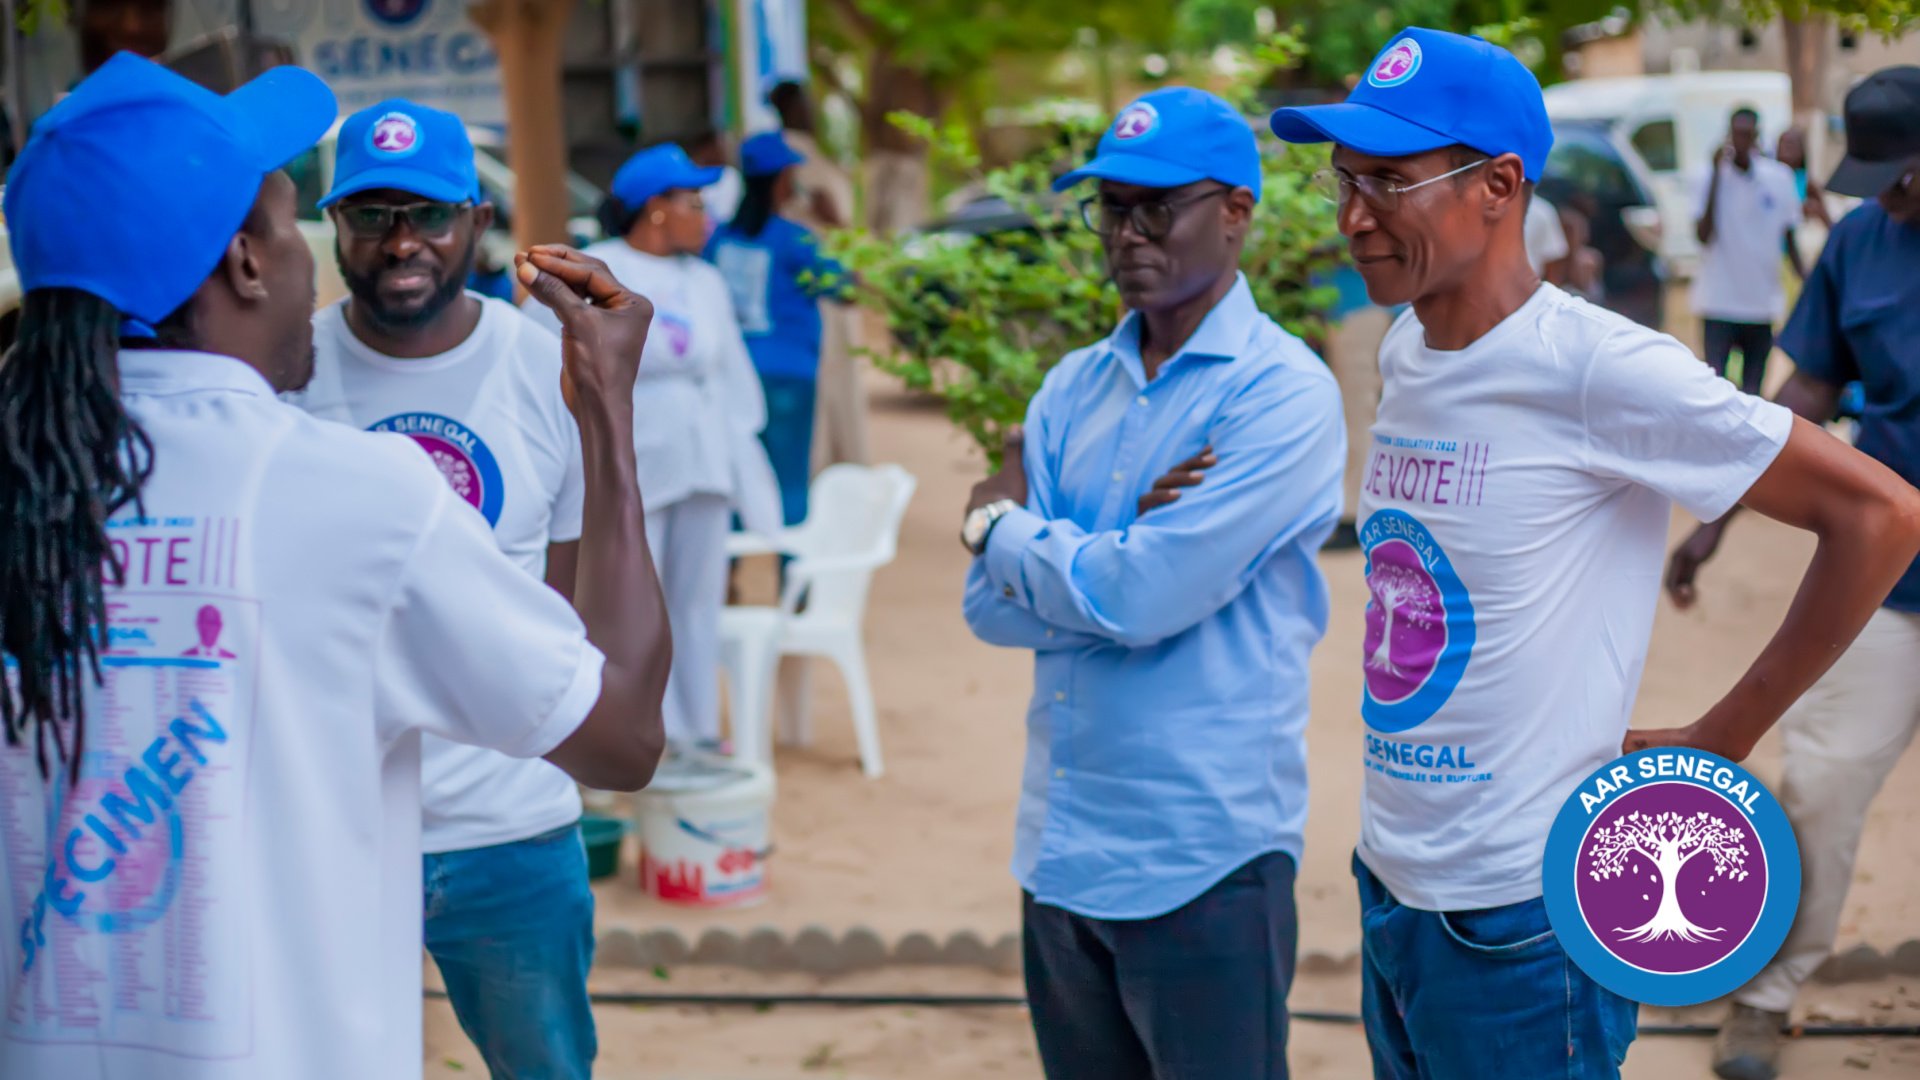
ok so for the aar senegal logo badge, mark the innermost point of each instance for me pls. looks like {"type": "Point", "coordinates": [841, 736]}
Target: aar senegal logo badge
{"type": "Point", "coordinates": [466, 463]}
{"type": "Point", "coordinates": [1420, 624]}
{"type": "Point", "coordinates": [1672, 876]}
{"type": "Point", "coordinates": [1399, 63]}
{"type": "Point", "coordinates": [1137, 121]}
{"type": "Point", "coordinates": [394, 134]}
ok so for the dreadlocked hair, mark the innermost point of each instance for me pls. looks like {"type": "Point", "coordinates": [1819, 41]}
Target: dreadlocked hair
{"type": "Point", "coordinates": [70, 456]}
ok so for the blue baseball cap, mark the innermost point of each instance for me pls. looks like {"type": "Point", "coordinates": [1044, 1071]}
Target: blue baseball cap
{"type": "Point", "coordinates": [766, 154]}
{"type": "Point", "coordinates": [407, 147]}
{"type": "Point", "coordinates": [1172, 137]}
{"type": "Point", "coordinates": [657, 170]}
{"type": "Point", "coordinates": [1429, 89]}
{"type": "Point", "coordinates": [133, 185]}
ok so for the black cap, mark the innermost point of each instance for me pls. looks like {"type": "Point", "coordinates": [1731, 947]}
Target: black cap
{"type": "Point", "coordinates": [1883, 132]}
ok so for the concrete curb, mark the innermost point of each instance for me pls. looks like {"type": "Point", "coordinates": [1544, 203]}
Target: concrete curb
{"type": "Point", "coordinates": [816, 950]}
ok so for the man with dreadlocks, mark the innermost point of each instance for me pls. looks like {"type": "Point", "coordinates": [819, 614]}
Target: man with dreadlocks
{"type": "Point", "coordinates": [227, 624]}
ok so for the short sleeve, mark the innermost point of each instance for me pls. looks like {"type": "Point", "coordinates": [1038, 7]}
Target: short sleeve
{"type": "Point", "coordinates": [1697, 186]}
{"type": "Point", "coordinates": [478, 651]}
{"type": "Point", "coordinates": [1658, 417]}
{"type": "Point", "coordinates": [1813, 336]}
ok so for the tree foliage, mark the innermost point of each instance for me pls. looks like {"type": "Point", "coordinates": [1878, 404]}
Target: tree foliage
{"type": "Point", "coordinates": [979, 320]}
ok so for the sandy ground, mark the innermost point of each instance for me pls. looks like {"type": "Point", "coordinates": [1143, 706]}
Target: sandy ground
{"type": "Point", "coordinates": [926, 847]}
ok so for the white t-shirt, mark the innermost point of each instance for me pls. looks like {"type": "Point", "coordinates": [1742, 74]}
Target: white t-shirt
{"type": "Point", "coordinates": [697, 404]}
{"type": "Point", "coordinates": [1514, 511]}
{"type": "Point", "coordinates": [490, 414]}
{"type": "Point", "coordinates": [232, 889]}
{"type": "Point", "coordinates": [1739, 275]}
{"type": "Point", "coordinates": [1546, 238]}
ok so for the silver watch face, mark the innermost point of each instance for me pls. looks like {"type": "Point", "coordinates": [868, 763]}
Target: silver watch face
{"type": "Point", "coordinates": [974, 530]}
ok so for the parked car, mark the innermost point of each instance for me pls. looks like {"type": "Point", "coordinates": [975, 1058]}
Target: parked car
{"type": "Point", "coordinates": [1670, 125]}
{"type": "Point", "coordinates": [1590, 170]}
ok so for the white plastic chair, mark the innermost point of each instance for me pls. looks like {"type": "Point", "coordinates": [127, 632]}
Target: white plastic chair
{"type": "Point", "coordinates": [852, 529]}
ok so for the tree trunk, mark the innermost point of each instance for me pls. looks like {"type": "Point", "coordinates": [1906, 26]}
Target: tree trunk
{"type": "Point", "coordinates": [1382, 657]}
{"type": "Point", "coordinates": [1808, 42]}
{"type": "Point", "coordinates": [897, 181]}
{"type": "Point", "coordinates": [528, 35]}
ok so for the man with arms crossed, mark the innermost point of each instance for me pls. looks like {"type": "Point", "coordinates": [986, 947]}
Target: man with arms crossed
{"type": "Point", "coordinates": [1528, 450]}
{"type": "Point", "coordinates": [213, 861]}
{"type": "Point", "coordinates": [1858, 319]}
{"type": "Point", "coordinates": [1166, 789]}
{"type": "Point", "coordinates": [509, 917]}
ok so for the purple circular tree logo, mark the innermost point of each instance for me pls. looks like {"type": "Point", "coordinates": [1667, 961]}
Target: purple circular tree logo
{"type": "Point", "coordinates": [1406, 622]}
{"type": "Point", "coordinates": [1675, 880]}
{"type": "Point", "coordinates": [1671, 876]}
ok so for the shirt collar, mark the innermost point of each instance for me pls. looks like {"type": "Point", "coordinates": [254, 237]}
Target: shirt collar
{"type": "Point", "coordinates": [1222, 335]}
{"type": "Point", "coordinates": [177, 370]}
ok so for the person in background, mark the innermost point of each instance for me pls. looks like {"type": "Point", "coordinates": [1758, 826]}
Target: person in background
{"type": "Point", "coordinates": [697, 415]}
{"type": "Point", "coordinates": [1586, 267]}
{"type": "Point", "coordinates": [266, 920]}
{"type": "Point", "coordinates": [509, 917]}
{"type": "Point", "coordinates": [777, 274]}
{"type": "Point", "coordinates": [1520, 641]}
{"type": "Point", "coordinates": [1548, 251]}
{"type": "Point", "coordinates": [1854, 326]}
{"type": "Point", "coordinates": [1746, 206]}
{"type": "Point", "coordinates": [822, 201]}
{"type": "Point", "coordinates": [722, 197]}
{"type": "Point", "coordinates": [106, 27]}
{"type": "Point", "coordinates": [1791, 151]}
{"type": "Point", "coordinates": [1151, 538]}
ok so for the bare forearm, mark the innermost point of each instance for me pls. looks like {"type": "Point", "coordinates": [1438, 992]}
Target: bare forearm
{"type": "Point", "coordinates": [1853, 570]}
{"type": "Point", "coordinates": [616, 591]}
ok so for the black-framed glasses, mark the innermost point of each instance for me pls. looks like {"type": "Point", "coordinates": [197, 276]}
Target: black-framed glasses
{"type": "Point", "coordinates": [1337, 187]}
{"type": "Point", "coordinates": [374, 220]}
{"type": "Point", "coordinates": [1152, 219]}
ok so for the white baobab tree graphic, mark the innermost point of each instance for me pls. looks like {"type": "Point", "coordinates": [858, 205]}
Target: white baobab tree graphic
{"type": "Point", "coordinates": [1669, 841]}
{"type": "Point", "coordinates": [1403, 593]}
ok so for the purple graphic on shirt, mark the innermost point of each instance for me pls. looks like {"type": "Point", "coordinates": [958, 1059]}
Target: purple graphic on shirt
{"type": "Point", "coordinates": [1671, 878]}
{"type": "Point", "coordinates": [208, 624]}
{"type": "Point", "coordinates": [453, 464]}
{"type": "Point", "coordinates": [678, 330]}
{"type": "Point", "coordinates": [1406, 622]}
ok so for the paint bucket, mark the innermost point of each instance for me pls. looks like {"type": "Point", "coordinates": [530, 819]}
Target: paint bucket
{"type": "Point", "coordinates": [602, 838]}
{"type": "Point", "coordinates": [703, 826]}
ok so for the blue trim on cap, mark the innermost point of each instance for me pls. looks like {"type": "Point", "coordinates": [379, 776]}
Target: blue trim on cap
{"type": "Point", "coordinates": [1362, 127]}
{"type": "Point", "coordinates": [405, 178]}
{"type": "Point", "coordinates": [1133, 169]}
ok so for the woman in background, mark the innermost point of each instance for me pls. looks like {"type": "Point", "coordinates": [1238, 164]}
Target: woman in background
{"type": "Point", "coordinates": [697, 410]}
{"type": "Point", "coordinates": [777, 274]}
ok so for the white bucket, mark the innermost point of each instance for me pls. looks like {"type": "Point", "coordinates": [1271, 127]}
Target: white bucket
{"type": "Point", "coordinates": [703, 826]}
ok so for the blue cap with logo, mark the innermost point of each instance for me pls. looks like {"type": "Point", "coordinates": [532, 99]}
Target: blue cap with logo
{"type": "Point", "coordinates": [1430, 89]}
{"type": "Point", "coordinates": [403, 146]}
{"type": "Point", "coordinates": [766, 154]}
{"type": "Point", "coordinates": [1173, 137]}
{"type": "Point", "coordinates": [656, 171]}
{"type": "Point", "coordinates": [133, 185]}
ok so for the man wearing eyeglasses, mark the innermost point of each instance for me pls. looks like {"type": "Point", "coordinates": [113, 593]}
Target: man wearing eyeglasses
{"type": "Point", "coordinates": [1857, 320]}
{"type": "Point", "coordinates": [1523, 469]}
{"type": "Point", "coordinates": [509, 918]}
{"type": "Point", "coordinates": [1152, 540]}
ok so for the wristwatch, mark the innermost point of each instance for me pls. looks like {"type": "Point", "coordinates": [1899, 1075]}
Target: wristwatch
{"type": "Point", "coordinates": [980, 522]}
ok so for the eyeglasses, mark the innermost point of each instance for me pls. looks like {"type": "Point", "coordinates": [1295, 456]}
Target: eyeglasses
{"type": "Point", "coordinates": [1153, 220]}
{"type": "Point", "coordinates": [1904, 185]}
{"type": "Point", "coordinates": [375, 220]}
{"type": "Point", "coordinates": [1383, 195]}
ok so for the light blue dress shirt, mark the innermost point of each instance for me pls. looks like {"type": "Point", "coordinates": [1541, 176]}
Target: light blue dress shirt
{"type": "Point", "coordinates": [1166, 740]}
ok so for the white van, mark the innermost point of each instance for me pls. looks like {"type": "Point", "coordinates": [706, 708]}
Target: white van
{"type": "Point", "coordinates": [1674, 123]}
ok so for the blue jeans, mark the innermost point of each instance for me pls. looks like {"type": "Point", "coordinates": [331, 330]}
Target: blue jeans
{"type": "Point", "coordinates": [788, 438]}
{"type": "Point", "coordinates": [511, 927]}
{"type": "Point", "coordinates": [1199, 993]}
{"type": "Point", "coordinates": [1463, 995]}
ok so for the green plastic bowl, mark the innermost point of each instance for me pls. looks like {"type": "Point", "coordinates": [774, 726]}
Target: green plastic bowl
{"type": "Point", "coordinates": [602, 835]}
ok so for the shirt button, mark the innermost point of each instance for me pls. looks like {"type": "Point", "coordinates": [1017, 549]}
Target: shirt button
{"type": "Point", "coordinates": [1141, 400]}
{"type": "Point", "coordinates": [1049, 633]}
{"type": "Point", "coordinates": [1006, 591]}
{"type": "Point", "coordinates": [1059, 773]}
{"type": "Point", "coordinates": [1119, 476]}
{"type": "Point", "coordinates": [1059, 695]}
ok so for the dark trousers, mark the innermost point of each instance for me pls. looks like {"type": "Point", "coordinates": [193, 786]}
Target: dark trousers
{"type": "Point", "coordinates": [1755, 342]}
{"type": "Point", "coordinates": [1199, 993]}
